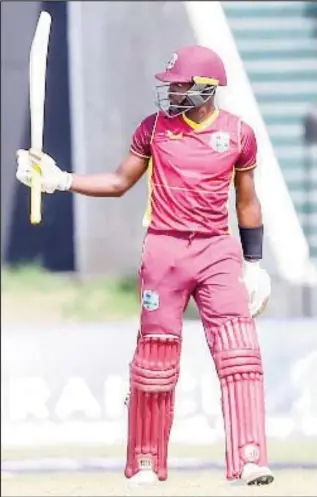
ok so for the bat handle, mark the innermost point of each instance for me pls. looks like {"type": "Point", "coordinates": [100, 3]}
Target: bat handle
{"type": "Point", "coordinates": [36, 195]}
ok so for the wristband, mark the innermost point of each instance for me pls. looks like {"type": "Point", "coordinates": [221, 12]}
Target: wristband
{"type": "Point", "coordinates": [252, 242]}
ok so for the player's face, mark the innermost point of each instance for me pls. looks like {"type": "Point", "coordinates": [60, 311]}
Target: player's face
{"type": "Point", "coordinates": [177, 92]}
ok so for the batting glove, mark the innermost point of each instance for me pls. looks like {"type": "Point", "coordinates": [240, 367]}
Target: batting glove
{"type": "Point", "coordinates": [258, 284]}
{"type": "Point", "coordinates": [52, 177]}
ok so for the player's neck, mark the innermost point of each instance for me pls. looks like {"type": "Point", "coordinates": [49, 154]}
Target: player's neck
{"type": "Point", "coordinates": [201, 114]}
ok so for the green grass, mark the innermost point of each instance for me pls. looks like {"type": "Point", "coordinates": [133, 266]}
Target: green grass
{"type": "Point", "coordinates": [32, 278]}
{"type": "Point", "coordinates": [65, 297]}
{"type": "Point", "coordinates": [30, 294]}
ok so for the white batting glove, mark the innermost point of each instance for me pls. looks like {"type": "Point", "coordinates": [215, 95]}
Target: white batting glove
{"type": "Point", "coordinates": [258, 284]}
{"type": "Point", "coordinates": [52, 177]}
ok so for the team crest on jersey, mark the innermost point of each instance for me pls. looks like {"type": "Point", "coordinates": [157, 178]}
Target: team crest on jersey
{"type": "Point", "coordinates": [220, 141]}
{"type": "Point", "coordinates": [171, 63]}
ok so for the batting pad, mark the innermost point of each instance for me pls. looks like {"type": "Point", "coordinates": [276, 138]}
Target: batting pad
{"type": "Point", "coordinates": [154, 372]}
{"type": "Point", "coordinates": [238, 361]}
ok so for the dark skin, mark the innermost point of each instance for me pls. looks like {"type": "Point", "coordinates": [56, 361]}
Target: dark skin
{"type": "Point", "coordinates": [132, 168]}
{"type": "Point", "coordinates": [248, 205]}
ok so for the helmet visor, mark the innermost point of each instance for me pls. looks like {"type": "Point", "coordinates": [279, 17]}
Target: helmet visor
{"type": "Point", "coordinates": [171, 77]}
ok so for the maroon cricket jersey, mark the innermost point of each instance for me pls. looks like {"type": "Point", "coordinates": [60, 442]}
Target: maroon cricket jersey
{"type": "Point", "coordinates": [191, 167]}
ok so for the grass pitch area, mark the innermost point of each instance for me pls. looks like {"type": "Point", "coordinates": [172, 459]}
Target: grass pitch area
{"type": "Point", "coordinates": [207, 483]}
{"type": "Point", "coordinates": [43, 296]}
{"type": "Point", "coordinates": [290, 451]}
{"type": "Point", "coordinates": [298, 481]}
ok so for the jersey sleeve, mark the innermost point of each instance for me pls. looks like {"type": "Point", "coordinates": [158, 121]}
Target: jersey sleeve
{"type": "Point", "coordinates": [248, 149]}
{"type": "Point", "coordinates": [142, 137]}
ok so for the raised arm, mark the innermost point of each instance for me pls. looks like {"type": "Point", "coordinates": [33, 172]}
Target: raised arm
{"type": "Point", "coordinates": [117, 183]}
{"type": "Point", "coordinates": [107, 184]}
{"type": "Point", "coordinates": [113, 184]}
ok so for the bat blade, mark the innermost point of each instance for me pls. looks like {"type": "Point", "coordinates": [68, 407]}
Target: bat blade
{"type": "Point", "coordinates": [37, 80]}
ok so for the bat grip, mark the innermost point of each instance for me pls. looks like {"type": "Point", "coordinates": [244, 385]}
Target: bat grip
{"type": "Point", "coordinates": [36, 195]}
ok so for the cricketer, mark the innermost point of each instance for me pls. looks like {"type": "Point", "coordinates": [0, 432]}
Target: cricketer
{"type": "Point", "coordinates": [192, 151]}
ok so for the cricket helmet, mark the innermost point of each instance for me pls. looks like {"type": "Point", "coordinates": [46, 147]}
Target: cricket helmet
{"type": "Point", "coordinates": [200, 66]}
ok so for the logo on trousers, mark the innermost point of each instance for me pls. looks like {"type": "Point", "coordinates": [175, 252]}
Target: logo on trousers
{"type": "Point", "coordinates": [251, 453]}
{"type": "Point", "coordinates": [150, 300]}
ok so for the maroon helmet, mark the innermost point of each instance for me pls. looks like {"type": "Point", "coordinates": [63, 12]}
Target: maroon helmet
{"type": "Point", "coordinates": [199, 66]}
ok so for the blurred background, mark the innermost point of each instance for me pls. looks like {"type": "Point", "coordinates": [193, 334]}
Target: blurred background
{"type": "Point", "coordinates": [69, 305]}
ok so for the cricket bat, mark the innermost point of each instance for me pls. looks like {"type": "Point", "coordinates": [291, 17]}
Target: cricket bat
{"type": "Point", "coordinates": [37, 77]}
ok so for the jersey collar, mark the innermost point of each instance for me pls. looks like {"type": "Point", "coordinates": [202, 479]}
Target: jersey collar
{"type": "Point", "coordinates": [204, 124]}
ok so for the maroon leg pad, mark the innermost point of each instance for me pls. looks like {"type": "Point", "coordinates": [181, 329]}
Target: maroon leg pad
{"type": "Point", "coordinates": [237, 357]}
{"type": "Point", "coordinates": [154, 372]}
